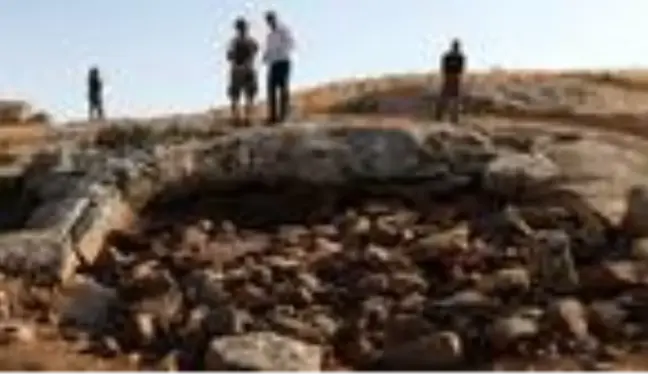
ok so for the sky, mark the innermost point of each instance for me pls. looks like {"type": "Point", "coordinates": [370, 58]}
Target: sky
{"type": "Point", "coordinates": [161, 56]}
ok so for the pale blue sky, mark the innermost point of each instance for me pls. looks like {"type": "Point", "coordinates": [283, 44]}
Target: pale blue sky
{"type": "Point", "coordinates": [161, 56]}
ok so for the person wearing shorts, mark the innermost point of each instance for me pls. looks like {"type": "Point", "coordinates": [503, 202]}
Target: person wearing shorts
{"type": "Point", "coordinates": [243, 77]}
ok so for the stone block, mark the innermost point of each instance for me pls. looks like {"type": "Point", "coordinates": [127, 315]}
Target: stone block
{"type": "Point", "coordinates": [262, 351]}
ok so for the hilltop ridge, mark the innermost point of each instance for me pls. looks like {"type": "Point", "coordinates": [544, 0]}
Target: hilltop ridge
{"type": "Point", "coordinates": [614, 100]}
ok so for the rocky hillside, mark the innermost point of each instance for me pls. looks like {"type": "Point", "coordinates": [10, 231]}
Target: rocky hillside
{"type": "Point", "coordinates": [616, 100]}
{"type": "Point", "coordinates": [488, 93]}
{"type": "Point", "coordinates": [501, 243]}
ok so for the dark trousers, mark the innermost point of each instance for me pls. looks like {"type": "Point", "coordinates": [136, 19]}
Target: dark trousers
{"type": "Point", "coordinates": [95, 109]}
{"type": "Point", "coordinates": [278, 85]}
{"type": "Point", "coordinates": [449, 99]}
{"type": "Point", "coordinates": [447, 103]}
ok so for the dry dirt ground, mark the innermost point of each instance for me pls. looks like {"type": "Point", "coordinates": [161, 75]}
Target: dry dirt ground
{"type": "Point", "coordinates": [617, 101]}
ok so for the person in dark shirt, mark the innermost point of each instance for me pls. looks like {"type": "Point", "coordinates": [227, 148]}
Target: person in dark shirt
{"type": "Point", "coordinates": [241, 54]}
{"type": "Point", "coordinates": [453, 64]}
{"type": "Point", "coordinates": [95, 94]}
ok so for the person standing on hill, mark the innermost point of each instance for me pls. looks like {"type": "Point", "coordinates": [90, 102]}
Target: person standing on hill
{"type": "Point", "coordinates": [453, 64]}
{"type": "Point", "coordinates": [241, 54]}
{"type": "Point", "coordinates": [95, 95]}
{"type": "Point", "coordinates": [279, 45]}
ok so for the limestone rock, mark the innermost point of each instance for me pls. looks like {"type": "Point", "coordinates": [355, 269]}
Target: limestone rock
{"type": "Point", "coordinates": [88, 306]}
{"type": "Point", "coordinates": [382, 153]}
{"type": "Point", "coordinates": [513, 279]}
{"type": "Point", "coordinates": [403, 328]}
{"type": "Point", "coordinates": [639, 249]}
{"type": "Point", "coordinates": [570, 315]}
{"type": "Point", "coordinates": [506, 331]}
{"type": "Point", "coordinates": [433, 352]}
{"type": "Point", "coordinates": [220, 321]}
{"type": "Point", "coordinates": [612, 275]}
{"type": "Point", "coordinates": [607, 317]}
{"type": "Point", "coordinates": [442, 244]}
{"type": "Point", "coordinates": [513, 173]}
{"type": "Point", "coordinates": [262, 351]}
{"type": "Point", "coordinates": [465, 299]}
{"type": "Point", "coordinates": [17, 332]}
{"type": "Point", "coordinates": [555, 261]}
{"type": "Point", "coordinates": [635, 220]}
{"type": "Point", "coordinates": [335, 154]}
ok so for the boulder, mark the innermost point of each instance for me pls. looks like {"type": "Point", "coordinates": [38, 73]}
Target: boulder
{"type": "Point", "coordinates": [440, 244]}
{"type": "Point", "coordinates": [569, 315]}
{"type": "Point", "coordinates": [465, 299]}
{"type": "Point", "coordinates": [440, 350]}
{"type": "Point", "coordinates": [219, 321]}
{"type": "Point", "coordinates": [88, 305]}
{"type": "Point", "coordinates": [611, 275]}
{"type": "Point", "coordinates": [635, 221]}
{"type": "Point", "coordinates": [262, 351]}
{"type": "Point", "coordinates": [555, 264]}
{"type": "Point", "coordinates": [506, 331]}
{"type": "Point", "coordinates": [639, 249]}
{"type": "Point", "coordinates": [513, 279]}
{"type": "Point", "coordinates": [403, 328]}
{"type": "Point", "coordinates": [512, 173]}
{"type": "Point", "coordinates": [607, 317]}
{"type": "Point", "coordinates": [16, 331]}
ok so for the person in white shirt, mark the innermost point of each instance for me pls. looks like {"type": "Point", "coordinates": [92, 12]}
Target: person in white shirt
{"type": "Point", "coordinates": [279, 46]}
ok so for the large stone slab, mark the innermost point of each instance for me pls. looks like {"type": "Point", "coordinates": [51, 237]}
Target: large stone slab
{"type": "Point", "coordinates": [87, 192]}
{"type": "Point", "coordinates": [599, 167]}
{"type": "Point", "coordinates": [602, 172]}
{"type": "Point", "coordinates": [63, 232]}
{"type": "Point", "coordinates": [328, 154]}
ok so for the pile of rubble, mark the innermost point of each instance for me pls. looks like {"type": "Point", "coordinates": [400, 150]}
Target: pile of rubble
{"type": "Point", "coordinates": [456, 283]}
{"type": "Point", "coordinates": [315, 247]}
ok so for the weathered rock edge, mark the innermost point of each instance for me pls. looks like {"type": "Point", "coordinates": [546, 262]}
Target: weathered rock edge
{"type": "Point", "coordinates": [90, 192]}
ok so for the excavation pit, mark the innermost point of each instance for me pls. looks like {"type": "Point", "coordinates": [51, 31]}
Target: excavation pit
{"type": "Point", "coordinates": [338, 266]}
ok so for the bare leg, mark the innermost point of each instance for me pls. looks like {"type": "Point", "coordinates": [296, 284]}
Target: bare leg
{"type": "Point", "coordinates": [249, 109]}
{"type": "Point", "coordinates": [442, 103]}
{"type": "Point", "coordinates": [235, 112]}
